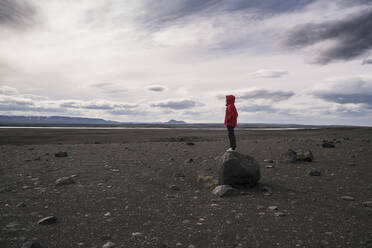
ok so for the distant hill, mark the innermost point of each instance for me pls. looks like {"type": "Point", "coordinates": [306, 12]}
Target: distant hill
{"type": "Point", "coordinates": [175, 122]}
{"type": "Point", "coordinates": [20, 120]}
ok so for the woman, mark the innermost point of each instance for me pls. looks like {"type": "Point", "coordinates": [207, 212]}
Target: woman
{"type": "Point", "coordinates": [231, 117]}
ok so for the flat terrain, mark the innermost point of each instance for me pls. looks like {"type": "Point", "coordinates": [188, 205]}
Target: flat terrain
{"type": "Point", "coordinates": [153, 188]}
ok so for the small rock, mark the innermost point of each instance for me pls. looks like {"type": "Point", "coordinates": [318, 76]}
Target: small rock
{"type": "Point", "coordinates": [273, 208]}
{"type": "Point", "coordinates": [270, 161]}
{"type": "Point", "coordinates": [279, 214]}
{"type": "Point", "coordinates": [179, 175]}
{"type": "Point", "coordinates": [225, 190]}
{"type": "Point", "coordinates": [30, 244]}
{"type": "Point", "coordinates": [64, 181]}
{"type": "Point", "coordinates": [108, 244]}
{"type": "Point", "coordinates": [315, 173]}
{"type": "Point", "coordinates": [267, 191]}
{"type": "Point", "coordinates": [61, 154]}
{"type": "Point", "coordinates": [21, 205]}
{"type": "Point", "coordinates": [108, 214]}
{"type": "Point", "coordinates": [186, 221]}
{"type": "Point", "coordinates": [270, 166]}
{"type": "Point", "coordinates": [367, 204]}
{"type": "Point", "coordinates": [347, 198]}
{"type": "Point", "coordinates": [351, 164]}
{"type": "Point", "coordinates": [328, 144]}
{"type": "Point", "coordinates": [136, 234]}
{"type": "Point", "coordinates": [47, 220]}
{"type": "Point", "coordinates": [190, 143]}
{"type": "Point", "coordinates": [174, 187]}
{"type": "Point", "coordinates": [189, 161]}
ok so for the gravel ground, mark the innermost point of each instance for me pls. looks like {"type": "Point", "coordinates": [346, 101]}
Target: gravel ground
{"type": "Point", "coordinates": [153, 188]}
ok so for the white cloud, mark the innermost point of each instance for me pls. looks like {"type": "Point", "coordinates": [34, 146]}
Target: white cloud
{"type": "Point", "coordinates": [270, 73]}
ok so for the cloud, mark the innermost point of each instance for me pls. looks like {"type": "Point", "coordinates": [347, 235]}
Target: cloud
{"type": "Point", "coordinates": [335, 40]}
{"type": "Point", "coordinates": [101, 85]}
{"type": "Point", "coordinates": [96, 105]}
{"type": "Point", "coordinates": [264, 94]}
{"type": "Point", "coordinates": [367, 61]}
{"type": "Point", "coordinates": [159, 13]}
{"type": "Point", "coordinates": [346, 90]}
{"type": "Point", "coordinates": [269, 73]}
{"type": "Point", "coordinates": [16, 13]}
{"type": "Point", "coordinates": [176, 104]}
{"type": "Point", "coordinates": [258, 108]}
{"type": "Point", "coordinates": [6, 90]}
{"type": "Point", "coordinates": [156, 88]}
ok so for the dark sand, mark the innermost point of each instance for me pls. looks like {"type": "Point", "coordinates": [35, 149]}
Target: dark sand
{"type": "Point", "coordinates": [122, 189]}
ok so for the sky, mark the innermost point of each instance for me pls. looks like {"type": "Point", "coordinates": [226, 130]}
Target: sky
{"type": "Point", "coordinates": [287, 61]}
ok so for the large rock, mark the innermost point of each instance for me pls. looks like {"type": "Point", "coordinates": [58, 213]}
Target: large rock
{"type": "Point", "coordinates": [236, 169]}
{"type": "Point", "coordinates": [297, 156]}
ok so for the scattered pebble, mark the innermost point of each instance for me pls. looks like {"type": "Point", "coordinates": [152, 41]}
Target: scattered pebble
{"type": "Point", "coordinates": [273, 207]}
{"type": "Point", "coordinates": [47, 220]}
{"type": "Point", "coordinates": [65, 181]}
{"type": "Point", "coordinates": [136, 234]}
{"type": "Point", "coordinates": [347, 198]}
{"type": "Point", "coordinates": [279, 214]}
{"type": "Point", "coordinates": [315, 173]}
{"type": "Point", "coordinates": [174, 187]}
{"type": "Point", "coordinates": [61, 154]}
{"type": "Point", "coordinates": [30, 244]}
{"type": "Point", "coordinates": [21, 205]}
{"type": "Point", "coordinates": [225, 190]}
{"type": "Point", "coordinates": [108, 244]}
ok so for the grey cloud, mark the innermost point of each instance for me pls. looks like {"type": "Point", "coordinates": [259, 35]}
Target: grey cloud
{"type": "Point", "coordinates": [356, 90]}
{"type": "Point", "coordinates": [101, 85]}
{"type": "Point", "coordinates": [156, 88]}
{"type": "Point", "coordinates": [269, 73]}
{"type": "Point", "coordinates": [352, 34]}
{"type": "Point", "coordinates": [17, 13]}
{"type": "Point", "coordinates": [367, 61]}
{"type": "Point", "coordinates": [164, 12]}
{"type": "Point", "coordinates": [267, 95]}
{"type": "Point", "coordinates": [258, 108]}
{"type": "Point", "coordinates": [182, 104]}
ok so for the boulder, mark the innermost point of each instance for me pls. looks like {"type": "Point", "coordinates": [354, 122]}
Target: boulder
{"type": "Point", "coordinates": [236, 169]}
{"type": "Point", "coordinates": [297, 156]}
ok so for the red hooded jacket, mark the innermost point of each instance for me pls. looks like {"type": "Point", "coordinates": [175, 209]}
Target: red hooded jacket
{"type": "Point", "coordinates": [231, 115]}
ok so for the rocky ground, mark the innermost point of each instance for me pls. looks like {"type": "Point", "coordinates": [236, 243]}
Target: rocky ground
{"type": "Point", "coordinates": [153, 188]}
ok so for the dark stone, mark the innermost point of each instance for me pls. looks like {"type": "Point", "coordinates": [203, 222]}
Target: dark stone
{"type": "Point", "coordinates": [30, 244]}
{"type": "Point", "coordinates": [190, 143]}
{"type": "Point", "coordinates": [315, 173]}
{"type": "Point", "coordinates": [179, 175]}
{"type": "Point", "coordinates": [64, 181]}
{"type": "Point", "coordinates": [236, 169]}
{"type": "Point", "coordinates": [61, 154]}
{"type": "Point", "coordinates": [328, 144]}
{"type": "Point", "coordinates": [189, 161]}
{"type": "Point", "coordinates": [21, 205]}
{"type": "Point", "coordinates": [297, 156]}
{"type": "Point", "coordinates": [47, 220]}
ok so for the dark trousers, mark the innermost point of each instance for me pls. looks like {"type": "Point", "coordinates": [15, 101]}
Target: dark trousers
{"type": "Point", "coordinates": [232, 139]}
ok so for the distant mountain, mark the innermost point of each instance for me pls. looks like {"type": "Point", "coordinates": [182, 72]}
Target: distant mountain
{"type": "Point", "coordinates": [175, 122]}
{"type": "Point", "coordinates": [20, 120]}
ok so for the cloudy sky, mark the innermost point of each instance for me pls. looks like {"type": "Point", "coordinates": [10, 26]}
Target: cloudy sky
{"type": "Point", "coordinates": [287, 61]}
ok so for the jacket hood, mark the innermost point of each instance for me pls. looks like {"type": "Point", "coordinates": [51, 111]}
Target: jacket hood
{"type": "Point", "coordinates": [230, 99]}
